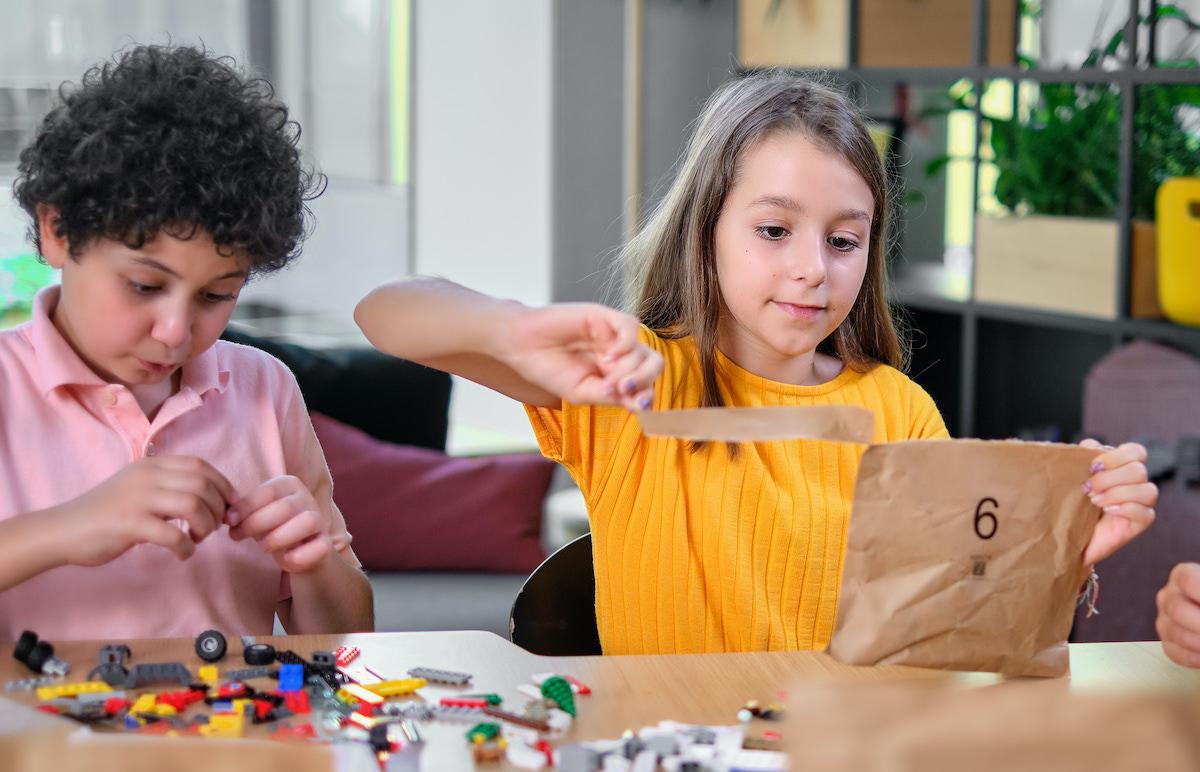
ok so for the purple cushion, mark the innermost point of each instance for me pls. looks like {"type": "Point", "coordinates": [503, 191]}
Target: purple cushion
{"type": "Point", "coordinates": [413, 509]}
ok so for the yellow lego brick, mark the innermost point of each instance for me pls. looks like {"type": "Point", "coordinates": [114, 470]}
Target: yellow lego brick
{"type": "Point", "coordinates": [359, 720]}
{"type": "Point", "coordinates": [208, 674]}
{"type": "Point", "coordinates": [360, 693]}
{"type": "Point", "coordinates": [165, 710]}
{"type": "Point", "coordinates": [397, 688]}
{"type": "Point", "coordinates": [71, 690]}
{"type": "Point", "coordinates": [224, 725]}
{"type": "Point", "coordinates": [145, 704]}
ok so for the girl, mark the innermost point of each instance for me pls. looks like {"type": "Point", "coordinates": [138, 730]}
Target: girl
{"type": "Point", "coordinates": [759, 280]}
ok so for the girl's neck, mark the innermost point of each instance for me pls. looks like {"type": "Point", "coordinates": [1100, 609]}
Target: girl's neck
{"type": "Point", "coordinates": [809, 368]}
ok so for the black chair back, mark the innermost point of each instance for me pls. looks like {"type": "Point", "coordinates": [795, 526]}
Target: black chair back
{"type": "Point", "coordinates": [555, 611]}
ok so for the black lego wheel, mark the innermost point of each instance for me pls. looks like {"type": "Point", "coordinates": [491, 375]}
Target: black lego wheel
{"type": "Point", "coordinates": [24, 645]}
{"type": "Point", "coordinates": [210, 645]}
{"type": "Point", "coordinates": [259, 654]}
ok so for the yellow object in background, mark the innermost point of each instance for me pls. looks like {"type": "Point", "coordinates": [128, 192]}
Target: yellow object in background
{"type": "Point", "coordinates": [1177, 208]}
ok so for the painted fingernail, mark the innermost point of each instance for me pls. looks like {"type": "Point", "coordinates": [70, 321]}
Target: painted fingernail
{"type": "Point", "coordinates": [1087, 488]}
{"type": "Point", "coordinates": [644, 403]}
{"type": "Point", "coordinates": [1097, 466]}
{"type": "Point", "coordinates": [631, 386]}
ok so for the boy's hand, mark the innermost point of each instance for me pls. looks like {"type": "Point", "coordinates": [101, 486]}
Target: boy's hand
{"type": "Point", "coordinates": [285, 519]}
{"type": "Point", "coordinates": [1178, 622]}
{"type": "Point", "coordinates": [1126, 497]}
{"type": "Point", "coordinates": [586, 353]}
{"type": "Point", "coordinates": [135, 504]}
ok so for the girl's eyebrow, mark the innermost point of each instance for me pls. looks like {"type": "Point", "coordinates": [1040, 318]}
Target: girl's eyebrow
{"type": "Point", "coordinates": [787, 202]}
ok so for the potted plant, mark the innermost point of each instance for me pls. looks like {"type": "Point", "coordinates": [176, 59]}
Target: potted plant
{"type": "Point", "coordinates": [1056, 157]}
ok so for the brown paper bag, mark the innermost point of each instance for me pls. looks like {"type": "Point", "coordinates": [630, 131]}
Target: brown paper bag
{"type": "Point", "coordinates": [1020, 725]}
{"type": "Point", "coordinates": [965, 555]}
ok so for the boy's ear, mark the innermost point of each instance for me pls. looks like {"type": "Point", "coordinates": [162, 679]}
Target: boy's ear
{"type": "Point", "coordinates": [55, 248]}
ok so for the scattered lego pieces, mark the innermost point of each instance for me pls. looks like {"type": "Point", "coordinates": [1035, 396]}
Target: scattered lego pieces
{"type": "Point", "coordinates": [211, 646]}
{"type": "Point", "coordinates": [259, 654]}
{"type": "Point", "coordinates": [111, 668]}
{"type": "Point", "coordinates": [434, 675]}
{"type": "Point", "coordinates": [29, 684]}
{"type": "Point", "coordinates": [38, 655]}
{"type": "Point", "coordinates": [398, 688]}
{"type": "Point", "coordinates": [361, 693]}
{"type": "Point", "coordinates": [345, 655]}
{"type": "Point", "coordinates": [559, 689]}
{"type": "Point", "coordinates": [247, 673]}
{"type": "Point", "coordinates": [291, 677]}
{"type": "Point", "coordinates": [146, 673]}
{"type": "Point", "coordinates": [45, 693]}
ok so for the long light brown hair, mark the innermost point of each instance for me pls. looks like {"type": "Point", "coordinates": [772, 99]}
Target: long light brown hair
{"type": "Point", "coordinates": [670, 266]}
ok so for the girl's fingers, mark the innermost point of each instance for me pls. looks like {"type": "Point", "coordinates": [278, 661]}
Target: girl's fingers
{"type": "Point", "coordinates": [1114, 457]}
{"type": "Point", "coordinates": [1145, 494]}
{"type": "Point", "coordinates": [1127, 474]}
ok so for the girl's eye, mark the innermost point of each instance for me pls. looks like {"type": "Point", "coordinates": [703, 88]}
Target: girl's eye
{"type": "Point", "coordinates": [843, 244]}
{"type": "Point", "coordinates": [142, 289]}
{"type": "Point", "coordinates": [217, 297]}
{"type": "Point", "coordinates": [772, 232]}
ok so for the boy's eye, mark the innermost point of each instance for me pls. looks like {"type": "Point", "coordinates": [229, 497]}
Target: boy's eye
{"type": "Point", "coordinates": [772, 232]}
{"type": "Point", "coordinates": [843, 244]}
{"type": "Point", "coordinates": [142, 289]}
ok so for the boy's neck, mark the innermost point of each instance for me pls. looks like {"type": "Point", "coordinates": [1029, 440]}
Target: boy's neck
{"type": "Point", "coordinates": [150, 397]}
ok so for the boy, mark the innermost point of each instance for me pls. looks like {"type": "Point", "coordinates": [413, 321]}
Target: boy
{"type": "Point", "coordinates": [129, 435]}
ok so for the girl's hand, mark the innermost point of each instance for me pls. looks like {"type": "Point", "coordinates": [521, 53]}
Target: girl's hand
{"type": "Point", "coordinates": [1126, 497]}
{"type": "Point", "coordinates": [137, 506]}
{"type": "Point", "coordinates": [585, 353]}
{"type": "Point", "coordinates": [285, 519]}
{"type": "Point", "coordinates": [1178, 622]}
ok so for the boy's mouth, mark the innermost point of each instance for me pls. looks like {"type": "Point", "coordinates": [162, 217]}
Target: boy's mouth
{"type": "Point", "coordinates": [156, 368]}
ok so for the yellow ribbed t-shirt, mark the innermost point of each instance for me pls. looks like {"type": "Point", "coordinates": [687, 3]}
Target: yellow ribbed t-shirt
{"type": "Point", "coordinates": [698, 552]}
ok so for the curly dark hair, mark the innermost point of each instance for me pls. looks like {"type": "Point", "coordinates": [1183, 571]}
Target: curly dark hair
{"type": "Point", "coordinates": [174, 138]}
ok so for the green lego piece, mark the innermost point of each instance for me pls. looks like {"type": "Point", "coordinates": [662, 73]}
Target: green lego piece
{"type": "Point", "coordinates": [492, 699]}
{"type": "Point", "coordinates": [557, 689]}
{"type": "Point", "coordinates": [481, 733]}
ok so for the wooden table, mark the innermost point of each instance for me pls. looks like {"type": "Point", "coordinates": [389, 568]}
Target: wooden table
{"type": "Point", "coordinates": [629, 692]}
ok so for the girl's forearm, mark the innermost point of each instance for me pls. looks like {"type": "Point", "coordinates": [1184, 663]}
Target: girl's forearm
{"type": "Point", "coordinates": [398, 318]}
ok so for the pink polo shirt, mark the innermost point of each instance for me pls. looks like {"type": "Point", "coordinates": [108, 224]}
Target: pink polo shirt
{"type": "Point", "coordinates": [63, 431]}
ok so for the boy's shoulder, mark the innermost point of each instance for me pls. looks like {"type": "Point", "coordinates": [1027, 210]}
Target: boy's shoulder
{"type": "Point", "coordinates": [253, 367]}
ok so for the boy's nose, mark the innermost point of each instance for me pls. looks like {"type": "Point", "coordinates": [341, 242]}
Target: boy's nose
{"type": "Point", "coordinates": [172, 327]}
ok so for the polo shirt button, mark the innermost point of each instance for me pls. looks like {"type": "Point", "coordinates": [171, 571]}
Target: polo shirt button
{"type": "Point", "coordinates": [149, 448]}
{"type": "Point", "coordinates": [111, 398]}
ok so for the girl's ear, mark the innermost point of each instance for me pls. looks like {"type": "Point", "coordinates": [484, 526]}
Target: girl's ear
{"type": "Point", "coordinates": [55, 248]}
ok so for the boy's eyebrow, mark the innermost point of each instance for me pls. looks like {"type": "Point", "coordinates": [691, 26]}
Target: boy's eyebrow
{"type": "Point", "coordinates": [787, 202]}
{"type": "Point", "coordinates": [155, 264]}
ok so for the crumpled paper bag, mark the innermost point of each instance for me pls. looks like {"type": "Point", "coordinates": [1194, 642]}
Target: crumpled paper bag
{"type": "Point", "coordinates": [1048, 726]}
{"type": "Point", "coordinates": [965, 555]}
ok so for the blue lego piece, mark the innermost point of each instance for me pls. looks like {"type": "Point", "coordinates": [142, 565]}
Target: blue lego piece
{"type": "Point", "coordinates": [291, 678]}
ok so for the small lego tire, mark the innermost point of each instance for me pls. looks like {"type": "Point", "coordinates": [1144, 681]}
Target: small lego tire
{"type": "Point", "coordinates": [210, 645]}
{"type": "Point", "coordinates": [25, 645]}
{"type": "Point", "coordinates": [41, 652]}
{"type": "Point", "coordinates": [259, 654]}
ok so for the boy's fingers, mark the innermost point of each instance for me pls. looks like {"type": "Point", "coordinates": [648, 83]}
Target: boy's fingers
{"type": "Point", "coordinates": [272, 490]}
{"type": "Point", "coordinates": [257, 523]}
{"type": "Point", "coordinates": [197, 466]}
{"type": "Point", "coordinates": [309, 553]}
{"type": "Point", "coordinates": [1186, 577]}
{"type": "Point", "coordinates": [292, 532]}
{"type": "Point", "coordinates": [169, 504]}
{"type": "Point", "coordinates": [165, 535]}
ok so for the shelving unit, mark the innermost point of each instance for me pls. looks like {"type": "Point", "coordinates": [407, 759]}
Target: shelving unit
{"type": "Point", "coordinates": [997, 370]}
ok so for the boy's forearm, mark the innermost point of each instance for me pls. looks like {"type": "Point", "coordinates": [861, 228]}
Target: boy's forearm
{"type": "Point", "coordinates": [335, 597]}
{"type": "Point", "coordinates": [398, 317]}
{"type": "Point", "coordinates": [31, 543]}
